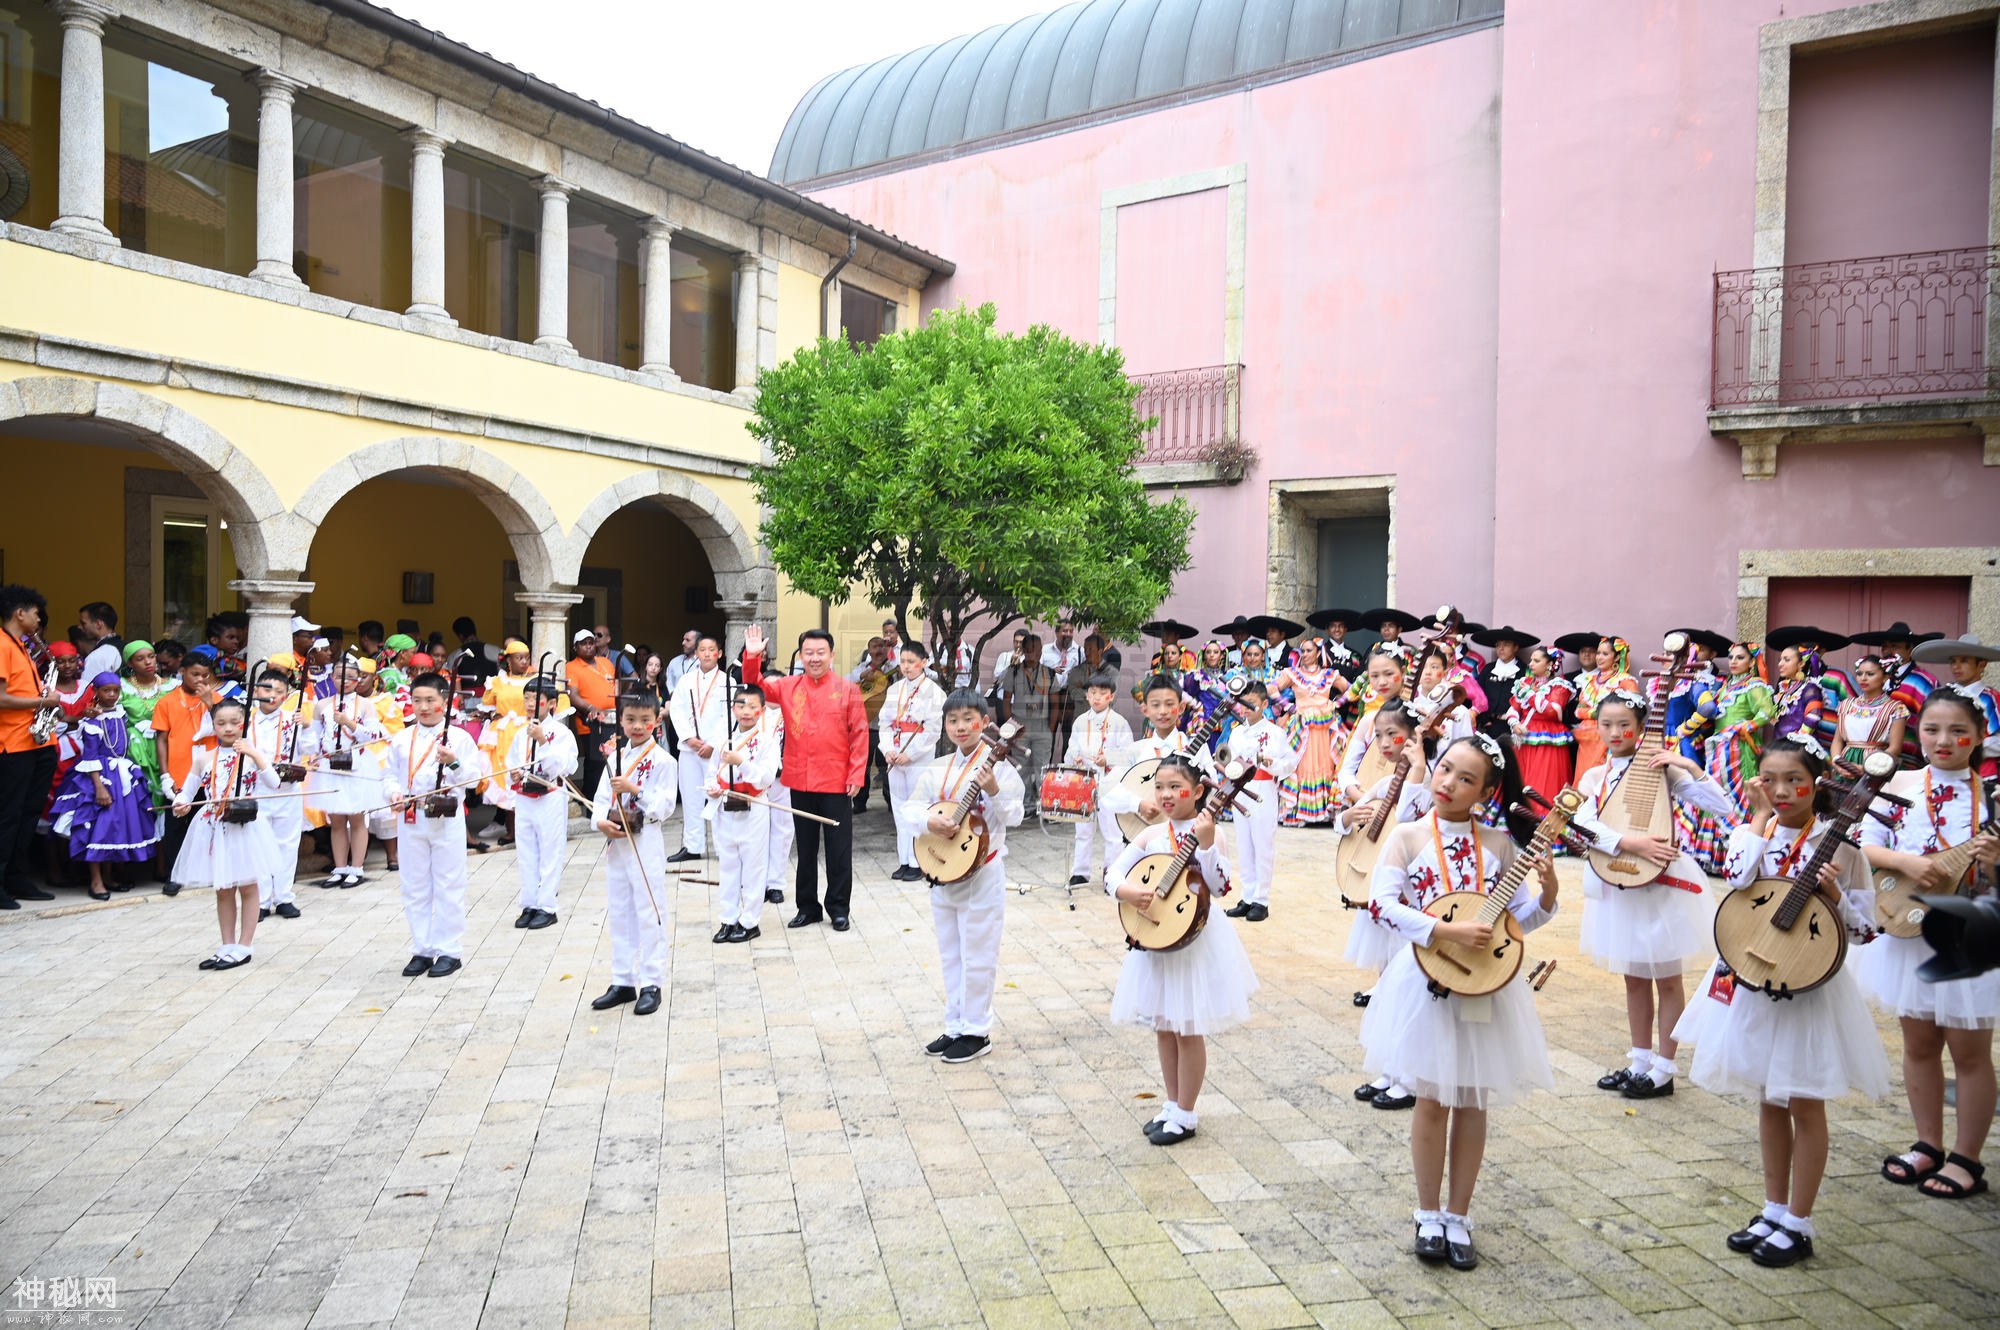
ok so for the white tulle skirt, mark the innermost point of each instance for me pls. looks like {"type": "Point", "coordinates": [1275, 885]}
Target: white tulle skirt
{"type": "Point", "coordinates": [1650, 932]}
{"type": "Point", "coordinates": [1204, 988]}
{"type": "Point", "coordinates": [1887, 968]}
{"type": "Point", "coordinates": [1369, 945]}
{"type": "Point", "coordinates": [1817, 1045]}
{"type": "Point", "coordinates": [1463, 1053]}
{"type": "Point", "coordinates": [218, 854]}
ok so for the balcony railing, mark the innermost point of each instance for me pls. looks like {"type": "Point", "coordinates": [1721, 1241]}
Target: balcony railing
{"type": "Point", "coordinates": [1900, 326]}
{"type": "Point", "coordinates": [1198, 411]}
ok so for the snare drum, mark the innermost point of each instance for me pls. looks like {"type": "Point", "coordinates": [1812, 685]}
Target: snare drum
{"type": "Point", "coordinates": [1069, 794]}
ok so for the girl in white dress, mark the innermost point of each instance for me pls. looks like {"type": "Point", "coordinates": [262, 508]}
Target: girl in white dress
{"type": "Point", "coordinates": [1202, 989]}
{"type": "Point", "coordinates": [1461, 1056]}
{"type": "Point", "coordinates": [348, 725]}
{"type": "Point", "coordinates": [1793, 1053]}
{"type": "Point", "coordinates": [1648, 934]}
{"type": "Point", "coordinates": [234, 857]}
{"type": "Point", "coordinates": [1948, 805]}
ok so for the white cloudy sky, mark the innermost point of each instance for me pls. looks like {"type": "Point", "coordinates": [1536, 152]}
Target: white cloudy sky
{"type": "Point", "coordinates": [720, 77]}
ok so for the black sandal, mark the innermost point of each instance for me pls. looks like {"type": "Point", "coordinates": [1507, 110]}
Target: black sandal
{"type": "Point", "coordinates": [1957, 1191]}
{"type": "Point", "coordinates": [1911, 1174]}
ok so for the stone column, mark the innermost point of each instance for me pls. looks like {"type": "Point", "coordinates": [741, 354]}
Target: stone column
{"type": "Point", "coordinates": [270, 603]}
{"type": "Point", "coordinates": [80, 177]}
{"type": "Point", "coordinates": [738, 615]}
{"type": "Point", "coordinates": [657, 318]}
{"type": "Point", "coordinates": [274, 178]}
{"type": "Point", "coordinates": [548, 621]}
{"type": "Point", "coordinates": [427, 224]}
{"type": "Point", "coordinates": [552, 266]}
{"type": "Point", "coordinates": [748, 268]}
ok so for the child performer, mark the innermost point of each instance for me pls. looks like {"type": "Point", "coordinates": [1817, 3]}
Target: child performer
{"type": "Point", "coordinates": [1268, 746]}
{"type": "Point", "coordinates": [635, 794]}
{"type": "Point", "coordinates": [1385, 682]}
{"type": "Point", "coordinates": [391, 714]}
{"type": "Point", "coordinates": [911, 720]}
{"type": "Point", "coordinates": [1967, 658]}
{"type": "Point", "coordinates": [181, 729]}
{"type": "Point", "coordinates": [1793, 1054]}
{"type": "Point", "coordinates": [968, 913]}
{"type": "Point", "coordinates": [1370, 944]}
{"type": "Point", "coordinates": [541, 757]}
{"type": "Point", "coordinates": [1095, 739]}
{"type": "Point", "coordinates": [287, 733]}
{"type": "Point", "coordinates": [1162, 704]}
{"type": "Point", "coordinates": [699, 710]}
{"type": "Point", "coordinates": [506, 705]}
{"type": "Point", "coordinates": [1203, 988]}
{"type": "Point", "coordinates": [1461, 1056]}
{"type": "Point", "coordinates": [233, 857]}
{"type": "Point", "coordinates": [104, 806]}
{"type": "Point", "coordinates": [1647, 934]}
{"type": "Point", "coordinates": [1949, 805]}
{"type": "Point", "coordinates": [423, 758]}
{"type": "Point", "coordinates": [747, 763]}
{"type": "Point", "coordinates": [348, 724]}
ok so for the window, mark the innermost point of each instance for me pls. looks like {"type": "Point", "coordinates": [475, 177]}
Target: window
{"type": "Point", "coordinates": [704, 330]}
{"type": "Point", "coordinates": [180, 136]}
{"type": "Point", "coordinates": [492, 228]}
{"type": "Point", "coordinates": [351, 210]}
{"type": "Point", "coordinates": [865, 316]}
{"type": "Point", "coordinates": [604, 284]}
{"type": "Point", "coordinates": [191, 552]}
{"type": "Point", "coordinates": [30, 66]}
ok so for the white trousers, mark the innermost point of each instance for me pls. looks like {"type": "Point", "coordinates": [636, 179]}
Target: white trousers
{"type": "Point", "coordinates": [433, 873]}
{"type": "Point", "coordinates": [968, 916]}
{"type": "Point", "coordinates": [692, 774]}
{"type": "Point", "coordinates": [1256, 837]}
{"type": "Point", "coordinates": [1103, 825]}
{"type": "Point", "coordinates": [777, 858]}
{"type": "Point", "coordinates": [903, 784]}
{"type": "Point", "coordinates": [541, 843]}
{"type": "Point", "coordinates": [638, 937]}
{"type": "Point", "coordinates": [742, 840]}
{"type": "Point", "coordinates": [287, 818]}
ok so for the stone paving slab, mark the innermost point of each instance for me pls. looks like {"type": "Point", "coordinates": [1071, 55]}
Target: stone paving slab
{"type": "Point", "coordinates": [314, 1141]}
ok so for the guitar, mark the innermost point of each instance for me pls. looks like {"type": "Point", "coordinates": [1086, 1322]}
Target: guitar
{"type": "Point", "coordinates": [1779, 935]}
{"type": "Point", "coordinates": [1644, 800]}
{"type": "Point", "coordinates": [1138, 778]}
{"type": "Point", "coordinates": [953, 858]}
{"type": "Point", "coordinates": [1898, 912]}
{"type": "Point", "coordinates": [1354, 858]}
{"type": "Point", "coordinates": [1474, 972]}
{"type": "Point", "coordinates": [1179, 908]}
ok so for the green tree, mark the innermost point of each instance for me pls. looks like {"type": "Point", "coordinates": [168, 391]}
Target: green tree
{"type": "Point", "coordinates": [969, 477]}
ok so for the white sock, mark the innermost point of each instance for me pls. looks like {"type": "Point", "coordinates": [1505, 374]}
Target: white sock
{"type": "Point", "coordinates": [1767, 1223]}
{"type": "Point", "coordinates": [1395, 1091]}
{"type": "Point", "coordinates": [1380, 1082]}
{"type": "Point", "coordinates": [1663, 1068]}
{"type": "Point", "coordinates": [1457, 1228]}
{"type": "Point", "coordinates": [1430, 1223]}
{"type": "Point", "coordinates": [1641, 1061]}
{"type": "Point", "coordinates": [1789, 1230]}
{"type": "Point", "coordinates": [1184, 1118]}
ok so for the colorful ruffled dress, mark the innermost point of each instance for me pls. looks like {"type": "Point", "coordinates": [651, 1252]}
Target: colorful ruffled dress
{"type": "Point", "coordinates": [1309, 794]}
{"type": "Point", "coordinates": [1594, 688]}
{"type": "Point", "coordinates": [1210, 691]}
{"type": "Point", "coordinates": [127, 829]}
{"type": "Point", "coordinates": [1801, 705]}
{"type": "Point", "coordinates": [1744, 706]}
{"type": "Point", "coordinates": [138, 703]}
{"type": "Point", "coordinates": [1543, 743]}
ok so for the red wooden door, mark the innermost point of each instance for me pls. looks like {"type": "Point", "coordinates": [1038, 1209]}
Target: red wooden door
{"type": "Point", "coordinates": [1865, 604]}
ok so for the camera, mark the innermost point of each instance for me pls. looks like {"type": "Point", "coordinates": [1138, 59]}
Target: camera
{"type": "Point", "coordinates": [1964, 932]}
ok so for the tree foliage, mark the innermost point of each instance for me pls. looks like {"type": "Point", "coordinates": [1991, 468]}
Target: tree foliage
{"type": "Point", "coordinates": [966, 476]}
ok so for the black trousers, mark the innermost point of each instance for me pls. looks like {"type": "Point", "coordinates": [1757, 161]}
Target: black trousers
{"type": "Point", "coordinates": [25, 779]}
{"type": "Point", "coordinates": [590, 760]}
{"type": "Point", "coordinates": [875, 763]}
{"type": "Point", "coordinates": [839, 851]}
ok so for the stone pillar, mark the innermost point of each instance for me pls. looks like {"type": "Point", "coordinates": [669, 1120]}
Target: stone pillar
{"type": "Point", "coordinates": [738, 615]}
{"type": "Point", "coordinates": [80, 177]}
{"type": "Point", "coordinates": [548, 621]}
{"type": "Point", "coordinates": [427, 224]}
{"type": "Point", "coordinates": [270, 603]}
{"type": "Point", "coordinates": [274, 178]}
{"type": "Point", "coordinates": [748, 268]}
{"type": "Point", "coordinates": [658, 316]}
{"type": "Point", "coordinates": [552, 266]}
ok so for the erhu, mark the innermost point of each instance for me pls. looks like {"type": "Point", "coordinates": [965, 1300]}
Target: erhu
{"type": "Point", "coordinates": [235, 809]}
{"type": "Point", "coordinates": [288, 768]}
{"type": "Point", "coordinates": [441, 802]}
{"type": "Point", "coordinates": [342, 757]}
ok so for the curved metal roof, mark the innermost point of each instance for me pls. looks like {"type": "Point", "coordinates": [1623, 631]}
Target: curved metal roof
{"type": "Point", "coordinates": [1087, 57]}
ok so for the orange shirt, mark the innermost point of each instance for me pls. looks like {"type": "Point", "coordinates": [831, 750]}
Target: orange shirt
{"type": "Point", "coordinates": [178, 716]}
{"type": "Point", "coordinates": [593, 684]}
{"type": "Point", "coordinates": [22, 681]}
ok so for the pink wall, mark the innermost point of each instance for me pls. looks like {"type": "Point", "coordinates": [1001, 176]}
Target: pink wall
{"type": "Point", "coordinates": [1171, 256]}
{"type": "Point", "coordinates": [1890, 148]}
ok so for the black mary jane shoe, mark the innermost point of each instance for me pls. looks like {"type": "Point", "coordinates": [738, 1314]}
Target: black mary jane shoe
{"type": "Point", "coordinates": [1615, 1080]}
{"type": "Point", "coordinates": [210, 963]}
{"type": "Point", "coordinates": [1645, 1087]}
{"type": "Point", "coordinates": [1368, 1090]}
{"type": "Point", "coordinates": [1168, 1133]}
{"type": "Point", "coordinates": [1744, 1240]}
{"type": "Point", "coordinates": [1362, 998]}
{"type": "Point", "coordinates": [1911, 1174]}
{"type": "Point", "coordinates": [648, 1003]}
{"type": "Point", "coordinates": [1774, 1257]}
{"type": "Point", "coordinates": [418, 965]}
{"type": "Point", "coordinates": [1460, 1255]}
{"type": "Point", "coordinates": [1431, 1248]}
{"type": "Point", "coordinates": [721, 934]}
{"type": "Point", "coordinates": [616, 995]}
{"type": "Point", "coordinates": [231, 962]}
{"type": "Point", "coordinates": [1238, 910]}
{"type": "Point", "coordinates": [1941, 1188]}
{"type": "Point", "coordinates": [1393, 1102]}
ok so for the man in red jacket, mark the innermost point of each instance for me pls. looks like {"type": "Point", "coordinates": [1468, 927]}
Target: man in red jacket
{"type": "Point", "coordinates": [826, 761]}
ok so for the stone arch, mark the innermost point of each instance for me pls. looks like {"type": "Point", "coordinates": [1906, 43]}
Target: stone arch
{"type": "Point", "coordinates": [740, 574]}
{"type": "Point", "coordinates": [262, 532]}
{"type": "Point", "coordinates": [530, 524]}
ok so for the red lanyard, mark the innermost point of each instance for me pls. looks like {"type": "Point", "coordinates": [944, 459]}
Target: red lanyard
{"type": "Point", "coordinates": [950, 784]}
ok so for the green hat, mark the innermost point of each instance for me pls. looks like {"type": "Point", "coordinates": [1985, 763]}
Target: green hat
{"type": "Point", "coordinates": [401, 642]}
{"type": "Point", "coordinates": [134, 648]}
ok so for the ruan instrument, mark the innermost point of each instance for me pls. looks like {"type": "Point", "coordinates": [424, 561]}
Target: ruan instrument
{"type": "Point", "coordinates": [342, 757]}
{"type": "Point", "coordinates": [1178, 910]}
{"type": "Point", "coordinates": [1354, 858]}
{"type": "Point", "coordinates": [1642, 800]}
{"type": "Point", "coordinates": [1454, 967]}
{"type": "Point", "coordinates": [1780, 935]}
{"type": "Point", "coordinates": [953, 858]}
{"type": "Point", "coordinates": [1138, 778]}
{"type": "Point", "coordinates": [1898, 911]}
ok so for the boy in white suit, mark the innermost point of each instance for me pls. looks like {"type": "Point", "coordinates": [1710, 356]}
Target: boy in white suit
{"type": "Point", "coordinates": [911, 722]}
{"type": "Point", "coordinates": [1262, 742]}
{"type": "Point", "coordinates": [747, 764]}
{"type": "Point", "coordinates": [635, 793]}
{"type": "Point", "coordinates": [542, 757]}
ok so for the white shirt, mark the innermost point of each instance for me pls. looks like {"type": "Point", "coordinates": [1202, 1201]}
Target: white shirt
{"type": "Point", "coordinates": [1266, 745]}
{"type": "Point", "coordinates": [416, 754]}
{"type": "Point", "coordinates": [1409, 875]}
{"type": "Point", "coordinates": [946, 778]}
{"type": "Point", "coordinates": [699, 708]}
{"type": "Point", "coordinates": [555, 757]}
{"type": "Point", "coordinates": [1062, 660]}
{"type": "Point", "coordinates": [1097, 734]}
{"type": "Point", "coordinates": [912, 718]}
{"type": "Point", "coordinates": [653, 769]}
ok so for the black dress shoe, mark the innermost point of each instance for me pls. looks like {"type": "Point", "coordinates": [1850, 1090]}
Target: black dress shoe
{"type": "Point", "coordinates": [527, 914]}
{"type": "Point", "coordinates": [682, 856]}
{"type": "Point", "coordinates": [742, 934]}
{"type": "Point", "coordinates": [616, 995]}
{"type": "Point", "coordinates": [1238, 910]}
{"type": "Point", "coordinates": [1645, 1087]}
{"type": "Point", "coordinates": [1367, 1092]}
{"type": "Point", "coordinates": [418, 965]}
{"type": "Point", "coordinates": [803, 920]}
{"type": "Point", "coordinates": [1614, 1080]}
{"type": "Point", "coordinates": [262, 914]}
{"type": "Point", "coordinates": [722, 934]}
{"type": "Point", "coordinates": [445, 965]}
{"type": "Point", "coordinates": [542, 919]}
{"type": "Point", "coordinates": [327, 883]}
{"type": "Point", "coordinates": [1775, 1257]}
{"type": "Point", "coordinates": [1393, 1102]}
{"type": "Point", "coordinates": [1257, 913]}
{"type": "Point", "coordinates": [1078, 880]}
{"type": "Point", "coordinates": [1431, 1248]}
{"type": "Point", "coordinates": [649, 1001]}
{"type": "Point", "coordinates": [171, 889]}
{"type": "Point", "coordinates": [1745, 1239]}
{"type": "Point", "coordinates": [9, 903]}
{"type": "Point", "coordinates": [32, 894]}
{"type": "Point", "coordinates": [840, 923]}
{"type": "Point", "coordinates": [287, 911]}
{"type": "Point", "coordinates": [1460, 1255]}
{"type": "Point", "coordinates": [772, 896]}
{"type": "Point", "coordinates": [1362, 999]}
{"type": "Point", "coordinates": [230, 962]}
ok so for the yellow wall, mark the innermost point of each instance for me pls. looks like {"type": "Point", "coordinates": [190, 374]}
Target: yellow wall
{"type": "Point", "coordinates": [389, 527]}
{"type": "Point", "coordinates": [661, 560]}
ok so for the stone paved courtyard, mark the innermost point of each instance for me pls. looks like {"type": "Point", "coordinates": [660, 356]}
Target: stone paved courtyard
{"type": "Point", "coordinates": [313, 1140]}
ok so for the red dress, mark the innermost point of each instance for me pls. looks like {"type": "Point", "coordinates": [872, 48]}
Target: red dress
{"type": "Point", "coordinates": [1543, 744]}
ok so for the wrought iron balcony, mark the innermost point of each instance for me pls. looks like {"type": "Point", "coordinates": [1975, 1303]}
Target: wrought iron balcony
{"type": "Point", "coordinates": [1197, 414]}
{"type": "Point", "coordinates": [1895, 328]}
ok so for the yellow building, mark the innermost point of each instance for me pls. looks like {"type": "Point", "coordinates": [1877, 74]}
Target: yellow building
{"type": "Point", "coordinates": [277, 333]}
